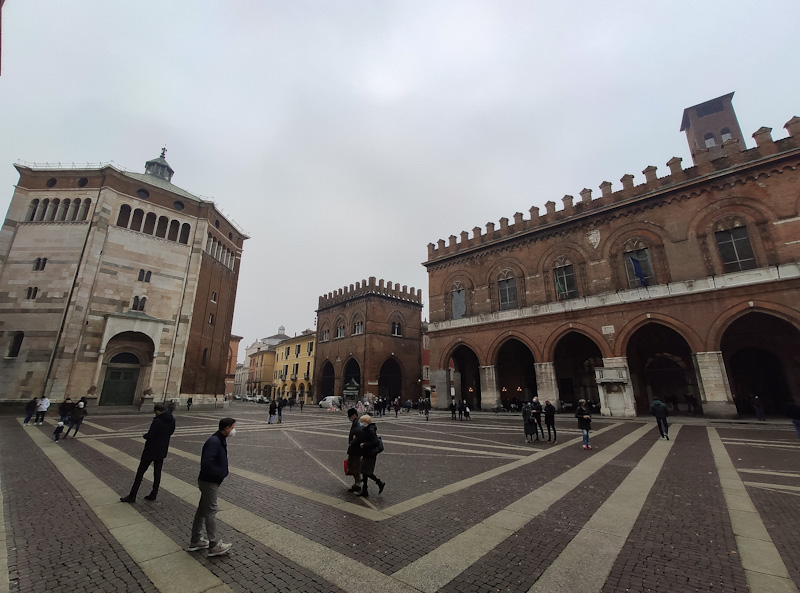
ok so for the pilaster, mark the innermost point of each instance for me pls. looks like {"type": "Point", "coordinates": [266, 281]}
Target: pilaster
{"type": "Point", "coordinates": [712, 379]}
{"type": "Point", "coordinates": [547, 383]}
{"type": "Point", "coordinates": [490, 394]}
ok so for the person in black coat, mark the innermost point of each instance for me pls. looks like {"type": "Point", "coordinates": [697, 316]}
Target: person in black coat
{"type": "Point", "coordinates": [155, 450]}
{"type": "Point", "coordinates": [527, 423]}
{"type": "Point", "coordinates": [354, 450]}
{"type": "Point", "coordinates": [660, 411]}
{"type": "Point", "coordinates": [550, 420]}
{"type": "Point", "coordinates": [213, 470]}
{"type": "Point", "coordinates": [367, 440]}
{"type": "Point", "coordinates": [584, 417]}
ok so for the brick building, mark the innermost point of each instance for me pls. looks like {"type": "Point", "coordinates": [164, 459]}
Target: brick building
{"type": "Point", "coordinates": [685, 284]}
{"type": "Point", "coordinates": [370, 333]}
{"type": "Point", "coordinates": [114, 283]}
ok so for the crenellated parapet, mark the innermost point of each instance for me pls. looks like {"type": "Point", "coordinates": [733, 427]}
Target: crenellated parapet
{"type": "Point", "coordinates": [372, 287]}
{"type": "Point", "coordinates": [731, 156]}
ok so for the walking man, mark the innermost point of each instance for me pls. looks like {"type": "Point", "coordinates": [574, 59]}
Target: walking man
{"type": "Point", "coordinates": [213, 470]}
{"type": "Point", "coordinates": [550, 420]}
{"type": "Point", "coordinates": [354, 451]}
{"type": "Point", "coordinates": [660, 411]}
{"type": "Point", "coordinates": [30, 408]}
{"type": "Point", "coordinates": [155, 450]}
{"type": "Point", "coordinates": [536, 416]}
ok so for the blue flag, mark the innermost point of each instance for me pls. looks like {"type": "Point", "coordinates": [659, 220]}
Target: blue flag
{"type": "Point", "coordinates": [637, 269]}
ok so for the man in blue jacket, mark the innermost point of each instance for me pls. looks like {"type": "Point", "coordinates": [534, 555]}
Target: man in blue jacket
{"type": "Point", "coordinates": [155, 450]}
{"type": "Point", "coordinates": [213, 470]}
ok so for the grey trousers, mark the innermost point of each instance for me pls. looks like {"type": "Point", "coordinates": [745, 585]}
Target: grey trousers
{"type": "Point", "coordinates": [206, 513]}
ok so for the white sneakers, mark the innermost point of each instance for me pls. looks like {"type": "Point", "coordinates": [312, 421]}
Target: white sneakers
{"type": "Point", "coordinates": [194, 546]}
{"type": "Point", "coordinates": [220, 549]}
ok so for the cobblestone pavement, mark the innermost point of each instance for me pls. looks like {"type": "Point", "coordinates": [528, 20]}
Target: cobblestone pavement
{"type": "Point", "coordinates": [468, 506]}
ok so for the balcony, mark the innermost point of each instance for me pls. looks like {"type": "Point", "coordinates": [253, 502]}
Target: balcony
{"type": "Point", "coordinates": [305, 376]}
{"type": "Point", "coordinates": [293, 377]}
{"type": "Point", "coordinates": [282, 376]}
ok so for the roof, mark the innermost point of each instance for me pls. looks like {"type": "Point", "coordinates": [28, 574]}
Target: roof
{"type": "Point", "coordinates": [699, 107]}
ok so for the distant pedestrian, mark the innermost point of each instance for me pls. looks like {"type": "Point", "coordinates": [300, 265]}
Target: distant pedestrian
{"type": "Point", "coordinates": [57, 432]}
{"type": "Point", "coordinates": [550, 420]}
{"type": "Point", "coordinates": [461, 406]}
{"type": "Point", "coordinates": [291, 404]}
{"type": "Point", "coordinates": [370, 447]}
{"type": "Point", "coordinates": [171, 406]}
{"type": "Point", "coordinates": [758, 405]}
{"type": "Point", "coordinates": [453, 409]}
{"type": "Point", "coordinates": [536, 414]}
{"type": "Point", "coordinates": [660, 410]}
{"type": "Point", "coordinates": [155, 451]}
{"type": "Point", "coordinates": [396, 407]}
{"type": "Point", "coordinates": [76, 419]}
{"type": "Point", "coordinates": [65, 410]}
{"type": "Point", "coordinates": [793, 412]}
{"type": "Point", "coordinates": [584, 417]}
{"type": "Point", "coordinates": [301, 403]}
{"type": "Point", "coordinates": [527, 423]}
{"type": "Point", "coordinates": [281, 405]}
{"type": "Point", "coordinates": [213, 470]}
{"type": "Point", "coordinates": [273, 409]}
{"type": "Point", "coordinates": [466, 412]}
{"type": "Point", "coordinates": [30, 409]}
{"type": "Point", "coordinates": [189, 404]}
{"type": "Point", "coordinates": [353, 450]}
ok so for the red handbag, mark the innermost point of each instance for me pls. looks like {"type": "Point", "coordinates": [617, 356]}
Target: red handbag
{"type": "Point", "coordinates": [347, 473]}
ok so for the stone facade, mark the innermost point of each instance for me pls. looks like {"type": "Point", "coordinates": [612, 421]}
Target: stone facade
{"type": "Point", "coordinates": [370, 332]}
{"type": "Point", "coordinates": [293, 375]}
{"type": "Point", "coordinates": [115, 283]}
{"type": "Point", "coordinates": [684, 285]}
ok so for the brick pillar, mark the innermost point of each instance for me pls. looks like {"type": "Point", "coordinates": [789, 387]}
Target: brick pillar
{"type": "Point", "coordinates": [614, 386]}
{"type": "Point", "coordinates": [490, 394]}
{"type": "Point", "coordinates": [547, 383]}
{"type": "Point", "coordinates": [440, 381]}
{"type": "Point", "coordinates": [712, 379]}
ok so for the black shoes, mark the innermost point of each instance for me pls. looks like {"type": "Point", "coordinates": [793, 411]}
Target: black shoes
{"type": "Point", "coordinates": [381, 486]}
{"type": "Point", "coordinates": [150, 496]}
{"type": "Point", "coordinates": [363, 494]}
{"type": "Point", "coordinates": [355, 488]}
{"type": "Point", "coordinates": [666, 436]}
{"type": "Point", "coordinates": [129, 499]}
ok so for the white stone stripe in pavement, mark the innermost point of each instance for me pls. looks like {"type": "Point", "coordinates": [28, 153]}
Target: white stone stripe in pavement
{"type": "Point", "coordinates": [597, 545]}
{"type": "Point", "coordinates": [4, 585]}
{"type": "Point", "coordinates": [762, 563]}
{"type": "Point", "coordinates": [442, 565]}
{"type": "Point", "coordinates": [169, 568]}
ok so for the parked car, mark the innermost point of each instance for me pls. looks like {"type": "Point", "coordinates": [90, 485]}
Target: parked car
{"type": "Point", "coordinates": [249, 398]}
{"type": "Point", "coordinates": [328, 401]}
{"type": "Point", "coordinates": [237, 396]}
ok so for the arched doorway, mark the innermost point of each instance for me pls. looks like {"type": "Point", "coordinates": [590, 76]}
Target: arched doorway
{"type": "Point", "coordinates": [327, 381]}
{"type": "Point", "coordinates": [465, 378]}
{"type": "Point", "coordinates": [390, 380]}
{"type": "Point", "coordinates": [575, 358]}
{"type": "Point", "coordinates": [660, 363]}
{"type": "Point", "coordinates": [122, 377]}
{"type": "Point", "coordinates": [516, 374]}
{"type": "Point", "coordinates": [761, 354]}
{"type": "Point", "coordinates": [352, 372]}
{"type": "Point", "coordinates": [127, 365]}
{"type": "Point", "coordinates": [301, 393]}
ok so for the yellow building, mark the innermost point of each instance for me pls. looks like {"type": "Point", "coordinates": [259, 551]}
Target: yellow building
{"type": "Point", "coordinates": [294, 367]}
{"type": "Point", "coordinates": [259, 377]}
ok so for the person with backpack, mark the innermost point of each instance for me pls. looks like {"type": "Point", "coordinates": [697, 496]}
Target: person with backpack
{"type": "Point", "coordinates": [370, 444]}
{"type": "Point", "coordinates": [660, 410]}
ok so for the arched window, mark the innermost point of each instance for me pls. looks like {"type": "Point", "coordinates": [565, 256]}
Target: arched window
{"type": "Point", "coordinates": [72, 214]}
{"type": "Point", "coordinates": [458, 300]}
{"type": "Point", "coordinates": [31, 292]}
{"type": "Point", "coordinates": [733, 242]}
{"type": "Point", "coordinates": [340, 331]}
{"type": "Point", "coordinates": [174, 229]}
{"type": "Point", "coordinates": [638, 267]}
{"type": "Point", "coordinates": [186, 229]}
{"type": "Point", "coordinates": [50, 215]}
{"type": "Point", "coordinates": [61, 213]}
{"type": "Point", "coordinates": [136, 221]}
{"type": "Point", "coordinates": [725, 134]}
{"type": "Point", "coordinates": [149, 224]}
{"type": "Point", "coordinates": [142, 303]}
{"type": "Point", "coordinates": [564, 278]}
{"type": "Point", "coordinates": [147, 276]}
{"type": "Point", "coordinates": [135, 305]}
{"type": "Point", "coordinates": [42, 210]}
{"type": "Point", "coordinates": [161, 230]}
{"type": "Point", "coordinates": [141, 276]}
{"type": "Point", "coordinates": [124, 216]}
{"type": "Point", "coordinates": [16, 345]}
{"type": "Point", "coordinates": [358, 328]}
{"type": "Point", "coordinates": [397, 328]}
{"type": "Point", "coordinates": [507, 289]}
{"type": "Point", "coordinates": [84, 211]}
{"type": "Point", "coordinates": [32, 210]}
{"type": "Point", "coordinates": [709, 138]}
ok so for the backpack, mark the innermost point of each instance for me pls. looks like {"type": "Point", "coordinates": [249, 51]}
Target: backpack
{"type": "Point", "coordinates": [380, 446]}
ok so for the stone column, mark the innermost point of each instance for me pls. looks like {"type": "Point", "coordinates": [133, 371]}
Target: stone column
{"type": "Point", "coordinates": [490, 395]}
{"type": "Point", "coordinates": [547, 383]}
{"type": "Point", "coordinates": [614, 386]}
{"type": "Point", "coordinates": [712, 379]}
{"type": "Point", "coordinates": [440, 381]}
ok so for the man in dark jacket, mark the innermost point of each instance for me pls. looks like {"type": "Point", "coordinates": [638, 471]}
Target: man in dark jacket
{"type": "Point", "coordinates": [536, 417]}
{"type": "Point", "coordinates": [353, 450]}
{"type": "Point", "coordinates": [155, 450]}
{"type": "Point", "coordinates": [660, 411]}
{"type": "Point", "coordinates": [213, 470]}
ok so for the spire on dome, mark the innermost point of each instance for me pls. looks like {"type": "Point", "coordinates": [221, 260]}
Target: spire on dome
{"type": "Point", "coordinates": [160, 167]}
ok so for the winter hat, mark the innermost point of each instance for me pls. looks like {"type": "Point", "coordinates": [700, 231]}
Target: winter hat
{"type": "Point", "coordinates": [61, 424]}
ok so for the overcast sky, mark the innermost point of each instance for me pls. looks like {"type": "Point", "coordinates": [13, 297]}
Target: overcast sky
{"type": "Point", "coordinates": [344, 136]}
